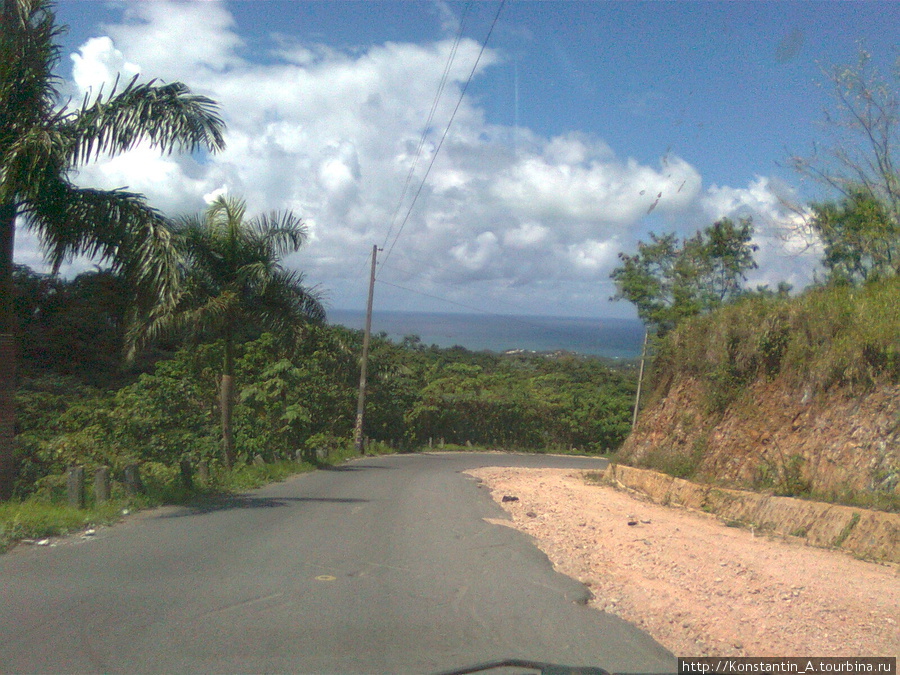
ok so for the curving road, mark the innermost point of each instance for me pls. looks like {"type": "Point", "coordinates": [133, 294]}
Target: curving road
{"type": "Point", "coordinates": [382, 565]}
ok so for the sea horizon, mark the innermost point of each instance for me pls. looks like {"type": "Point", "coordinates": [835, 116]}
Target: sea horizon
{"type": "Point", "coordinates": [610, 338]}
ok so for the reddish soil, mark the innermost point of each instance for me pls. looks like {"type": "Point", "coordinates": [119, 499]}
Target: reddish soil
{"type": "Point", "coordinates": [697, 586]}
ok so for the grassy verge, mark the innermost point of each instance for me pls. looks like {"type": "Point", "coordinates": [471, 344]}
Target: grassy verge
{"type": "Point", "coordinates": [48, 515]}
{"type": "Point", "coordinates": [37, 519]}
{"type": "Point", "coordinates": [832, 336]}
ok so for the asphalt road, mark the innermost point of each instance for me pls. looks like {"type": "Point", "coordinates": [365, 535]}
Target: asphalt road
{"type": "Point", "coordinates": [382, 565]}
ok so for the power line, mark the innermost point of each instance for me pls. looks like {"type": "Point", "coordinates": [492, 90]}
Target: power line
{"type": "Point", "coordinates": [440, 91]}
{"type": "Point", "coordinates": [394, 266]}
{"type": "Point", "coordinates": [433, 297]}
{"type": "Point", "coordinates": [478, 310]}
{"type": "Point", "coordinates": [446, 131]}
{"type": "Point", "coordinates": [361, 268]}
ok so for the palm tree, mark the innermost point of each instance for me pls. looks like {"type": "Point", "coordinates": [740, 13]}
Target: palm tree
{"type": "Point", "coordinates": [232, 282]}
{"type": "Point", "coordinates": [42, 142]}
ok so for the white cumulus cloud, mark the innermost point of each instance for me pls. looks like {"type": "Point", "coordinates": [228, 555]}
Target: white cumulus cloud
{"type": "Point", "coordinates": [578, 182]}
{"type": "Point", "coordinates": [98, 62]}
{"type": "Point", "coordinates": [787, 250]}
{"type": "Point", "coordinates": [333, 135]}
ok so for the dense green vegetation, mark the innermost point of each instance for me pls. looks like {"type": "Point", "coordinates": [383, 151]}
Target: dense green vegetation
{"type": "Point", "coordinates": [231, 276]}
{"type": "Point", "coordinates": [78, 403]}
{"type": "Point", "coordinates": [44, 138]}
{"type": "Point", "coordinates": [861, 241]}
{"type": "Point", "coordinates": [291, 397]}
{"type": "Point", "coordinates": [829, 336]}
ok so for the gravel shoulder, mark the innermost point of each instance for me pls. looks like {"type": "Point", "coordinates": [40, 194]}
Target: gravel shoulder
{"type": "Point", "coordinates": [694, 584]}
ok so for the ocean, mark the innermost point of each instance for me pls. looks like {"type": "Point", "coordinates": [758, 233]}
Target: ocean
{"type": "Point", "coordinates": [611, 338]}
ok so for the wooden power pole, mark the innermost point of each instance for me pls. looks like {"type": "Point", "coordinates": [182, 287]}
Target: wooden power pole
{"type": "Point", "coordinates": [364, 361]}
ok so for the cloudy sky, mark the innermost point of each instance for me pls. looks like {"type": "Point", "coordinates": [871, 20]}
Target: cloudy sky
{"type": "Point", "coordinates": [586, 126]}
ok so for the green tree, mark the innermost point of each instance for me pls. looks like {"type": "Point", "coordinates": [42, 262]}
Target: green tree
{"type": "Point", "coordinates": [232, 278]}
{"type": "Point", "coordinates": [169, 414]}
{"type": "Point", "coordinates": [726, 254]}
{"type": "Point", "coordinates": [41, 143]}
{"type": "Point", "coordinates": [669, 280]}
{"type": "Point", "coordinates": [71, 326]}
{"type": "Point", "coordinates": [861, 239]}
{"type": "Point", "coordinates": [288, 397]}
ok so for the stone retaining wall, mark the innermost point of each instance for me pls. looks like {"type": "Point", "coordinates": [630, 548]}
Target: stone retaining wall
{"type": "Point", "coordinates": [873, 535]}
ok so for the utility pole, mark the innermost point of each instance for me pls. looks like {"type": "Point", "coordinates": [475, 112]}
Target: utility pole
{"type": "Point", "coordinates": [364, 361]}
{"type": "Point", "coordinates": [637, 398]}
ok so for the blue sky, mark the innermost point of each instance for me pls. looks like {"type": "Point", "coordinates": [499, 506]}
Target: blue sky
{"type": "Point", "coordinates": [579, 115]}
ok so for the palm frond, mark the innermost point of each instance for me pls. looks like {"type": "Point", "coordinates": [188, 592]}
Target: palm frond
{"type": "Point", "coordinates": [193, 314]}
{"type": "Point", "coordinates": [212, 313]}
{"type": "Point", "coordinates": [287, 294]}
{"type": "Point", "coordinates": [196, 242]}
{"type": "Point", "coordinates": [27, 93]}
{"type": "Point", "coordinates": [256, 274]}
{"type": "Point", "coordinates": [36, 152]}
{"type": "Point", "coordinates": [112, 225]}
{"type": "Point", "coordinates": [281, 231]}
{"type": "Point", "coordinates": [84, 221]}
{"type": "Point", "coordinates": [232, 280]}
{"type": "Point", "coordinates": [169, 116]}
{"type": "Point", "coordinates": [28, 55]}
{"type": "Point", "coordinates": [226, 213]}
{"type": "Point", "coordinates": [146, 327]}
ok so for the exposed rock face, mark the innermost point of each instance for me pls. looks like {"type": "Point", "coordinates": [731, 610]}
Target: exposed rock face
{"type": "Point", "coordinates": [830, 444]}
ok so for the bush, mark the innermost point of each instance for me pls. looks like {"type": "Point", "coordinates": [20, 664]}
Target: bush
{"type": "Point", "coordinates": [304, 399]}
{"type": "Point", "coordinates": [831, 336]}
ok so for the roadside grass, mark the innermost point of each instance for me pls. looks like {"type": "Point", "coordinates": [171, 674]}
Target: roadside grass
{"type": "Point", "coordinates": [38, 519]}
{"type": "Point", "coordinates": [250, 476]}
{"type": "Point", "coordinates": [48, 515]}
{"type": "Point", "coordinates": [830, 336]}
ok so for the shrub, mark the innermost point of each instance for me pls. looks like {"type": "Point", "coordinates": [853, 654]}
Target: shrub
{"type": "Point", "coordinates": [831, 336]}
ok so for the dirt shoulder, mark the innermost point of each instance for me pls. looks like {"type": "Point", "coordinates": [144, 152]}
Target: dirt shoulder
{"type": "Point", "coordinates": [697, 586]}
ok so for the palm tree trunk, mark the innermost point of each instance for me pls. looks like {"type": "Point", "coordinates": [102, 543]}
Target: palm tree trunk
{"type": "Point", "coordinates": [227, 403]}
{"type": "Point", "coordinates": [7, 351]}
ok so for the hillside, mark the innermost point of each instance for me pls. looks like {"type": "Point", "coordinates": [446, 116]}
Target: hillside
{"type": "Point", "coordinates": [794, 396]}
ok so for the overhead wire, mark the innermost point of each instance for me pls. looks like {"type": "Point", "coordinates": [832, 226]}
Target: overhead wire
{"type": "Point", "coordinates": [446, 132]}
{"type": "Point", "coordinates": [434, 105]}
{"type": "Point", "coordinates": [433, 297]}
{"type": "Point", "coordinates": [410, 273]}
{"type": "Point", "coordinates": [382, 264]}
{"type": "Point", "coordinates": [509, 317]}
